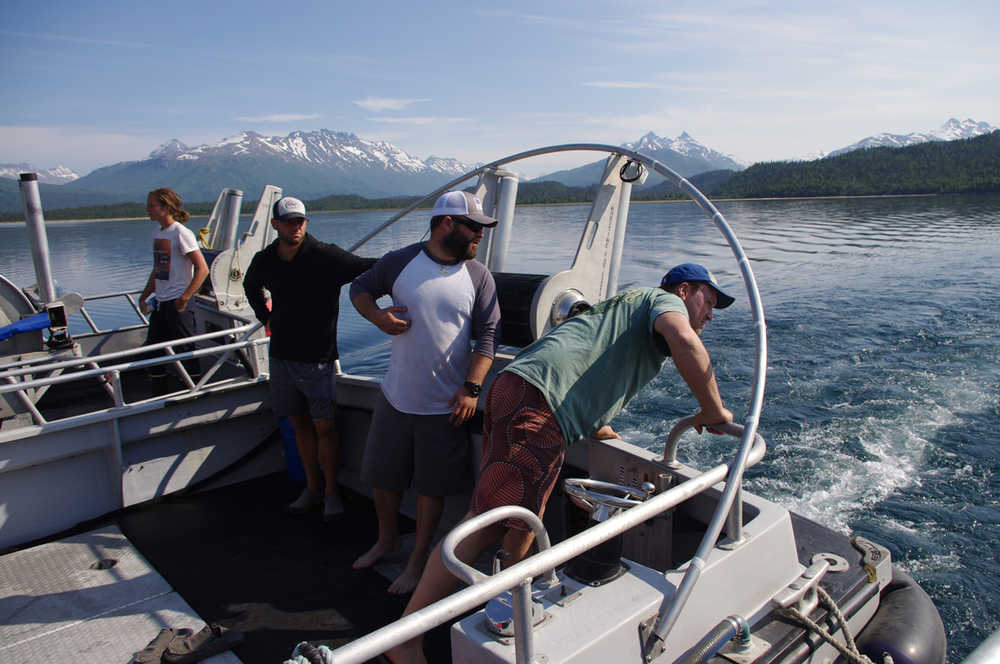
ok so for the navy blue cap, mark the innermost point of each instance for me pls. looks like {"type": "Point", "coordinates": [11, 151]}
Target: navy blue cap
{"type": "Point", "coordinates": [695, 272]}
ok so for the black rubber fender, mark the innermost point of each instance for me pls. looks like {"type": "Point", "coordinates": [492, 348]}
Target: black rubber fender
{"type": "Point", "coordinates": [906, 625]}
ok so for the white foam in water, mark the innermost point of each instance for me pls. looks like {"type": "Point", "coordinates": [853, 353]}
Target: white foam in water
{"type": "Point", "coordinates": [935, 563]}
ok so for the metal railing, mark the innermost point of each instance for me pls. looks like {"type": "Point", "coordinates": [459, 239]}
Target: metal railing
{"type": "Point", "coordinates": [19, 377]}
{"type": "Point", "coordinates": [541, 563]}
{"type": "Point", "coordinates": [129, 297]}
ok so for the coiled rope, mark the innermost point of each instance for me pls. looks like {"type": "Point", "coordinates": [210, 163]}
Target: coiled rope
{"type": "Point", "coordinates": [850, 650]}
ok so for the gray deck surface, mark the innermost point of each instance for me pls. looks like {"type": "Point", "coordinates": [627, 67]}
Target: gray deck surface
{"type": "Point", "coordinates": [57, 605]}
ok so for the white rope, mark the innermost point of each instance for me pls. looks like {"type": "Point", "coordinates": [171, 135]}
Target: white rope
{"type": "Point", "coordinates": [850, 651]}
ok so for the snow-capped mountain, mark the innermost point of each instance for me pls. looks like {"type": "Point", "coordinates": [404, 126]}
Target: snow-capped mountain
{"type": "Point", "coordinates": [308, 164]}
{"type": "Point", "coordinates": [683, 154]}
{"type": "Point", "coordinates": [951, 130]}
{"type": "Point", "coordinates": [57, 175]}
{"type": "Point", "coordinates": [169, 150]}
{"type": "Point", "coordinates": [339, 150]}
{"type": "Point", "coordinates": [685, 145]}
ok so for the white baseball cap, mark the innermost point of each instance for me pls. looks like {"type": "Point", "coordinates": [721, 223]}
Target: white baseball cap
{"type": "Point", "coordinates": [288, 208]}
{"type": "Point", "coordinates": [462, 204]}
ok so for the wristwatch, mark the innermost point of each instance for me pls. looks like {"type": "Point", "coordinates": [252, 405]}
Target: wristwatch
{"type": "Point", "coordinates": [473, 388]}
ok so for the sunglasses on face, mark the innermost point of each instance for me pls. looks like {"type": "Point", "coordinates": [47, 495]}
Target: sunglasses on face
{"type": "Point", "coordinates": [473, 226]}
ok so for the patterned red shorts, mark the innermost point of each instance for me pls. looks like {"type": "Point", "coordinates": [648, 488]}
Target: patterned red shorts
{"type": "Point", "coordinates": [523, 449]}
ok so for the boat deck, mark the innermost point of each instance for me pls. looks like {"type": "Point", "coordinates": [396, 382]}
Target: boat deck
{"type": "Point", "coordinates": [230, 555]}
{"type": "Point", "coordinates": [90, 598]}
{"type": "Point", "coordinates": [233, 555]}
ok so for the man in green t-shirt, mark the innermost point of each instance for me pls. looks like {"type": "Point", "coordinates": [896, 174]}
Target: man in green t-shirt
{"type": "Point", "coordinates": [568, 385]}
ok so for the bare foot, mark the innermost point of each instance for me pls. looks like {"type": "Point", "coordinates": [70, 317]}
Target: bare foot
{"type": "Point", "coordinates": [373, 554]}
{"type": "Point", "coordinates": [405, 582]}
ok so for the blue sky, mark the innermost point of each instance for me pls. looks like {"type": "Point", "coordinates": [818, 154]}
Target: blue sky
{"type": "Point", "coordinates": [89, 84]}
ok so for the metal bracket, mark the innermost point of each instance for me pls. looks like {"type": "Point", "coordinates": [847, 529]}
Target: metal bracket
{"type": "Point", "coordinates": [652, 643]}
{"type": "Point", "coordinates": [745, 654]}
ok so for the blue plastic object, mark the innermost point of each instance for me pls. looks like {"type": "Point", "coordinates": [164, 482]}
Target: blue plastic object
{"type": "Point", "coordinates": [35, 322]}
{"type": "Point", "coordinates": [293, 462]}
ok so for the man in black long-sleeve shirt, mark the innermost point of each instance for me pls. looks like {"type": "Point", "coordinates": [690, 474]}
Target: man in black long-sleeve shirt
{"type": "Point", "coordinates": [304, 277]}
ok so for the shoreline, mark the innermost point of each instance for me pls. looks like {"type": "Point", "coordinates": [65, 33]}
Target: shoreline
{"type": "Point", "coordinates": [659, 200]}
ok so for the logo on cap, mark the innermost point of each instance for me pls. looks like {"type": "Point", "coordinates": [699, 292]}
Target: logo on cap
{"type": "Point", "coordinates": [288, 208]}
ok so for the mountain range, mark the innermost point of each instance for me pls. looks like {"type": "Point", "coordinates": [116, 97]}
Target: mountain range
{"type": "Point", "coordinates": [952, 130]}
{"type": "Point", "coordinates": [57, 175]}
{"type": "Point", "coordinates": [683, 154]}
{"type": "Point", "coordinates": [314, 164]}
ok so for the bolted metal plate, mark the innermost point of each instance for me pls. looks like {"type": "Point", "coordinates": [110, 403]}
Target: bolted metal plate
{"type": "Point", "coordinates": [745, 655]}
{"type": "Point", "coordinates": [87, 599]}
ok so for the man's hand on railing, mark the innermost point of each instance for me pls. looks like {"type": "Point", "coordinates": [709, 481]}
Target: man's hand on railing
{"type": "Point", "coordinates": [711, 420]}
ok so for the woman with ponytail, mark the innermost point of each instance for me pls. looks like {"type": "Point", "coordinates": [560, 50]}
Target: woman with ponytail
{"type": "Point", "coordinates": [178, 272]}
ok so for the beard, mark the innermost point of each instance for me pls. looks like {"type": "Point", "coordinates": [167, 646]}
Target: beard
{"type": "Point", "coordinates": [459, 246]}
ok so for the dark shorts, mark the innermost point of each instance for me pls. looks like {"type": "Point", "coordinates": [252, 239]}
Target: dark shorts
{"type": "Point", "coordinates": [167, 324]}
{"type": "Point", "coordinates": [426, 452]}
{"type": "Point", "coordinates": [303, 388]}
{"type": "Point", "coordinates": [523, 449]}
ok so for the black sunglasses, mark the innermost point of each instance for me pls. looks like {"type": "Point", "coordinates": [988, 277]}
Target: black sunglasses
{"type": "Point", "coordinates": [473, 226]}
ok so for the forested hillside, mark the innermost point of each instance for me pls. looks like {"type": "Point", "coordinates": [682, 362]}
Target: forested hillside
{"type": "Point", "coordinates": [938, 167]}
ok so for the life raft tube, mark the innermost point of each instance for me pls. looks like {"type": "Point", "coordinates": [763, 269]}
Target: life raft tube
{"type": "Point", "coordinates": [906, 625]}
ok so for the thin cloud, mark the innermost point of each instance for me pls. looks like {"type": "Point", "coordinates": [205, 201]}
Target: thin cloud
{"type": "Point", "coordinates": [278, 117]}
{"type": "Point", "coordinates": [380, 104]}
{"type": "Point", "coordinates": [75, 40]}
{"type": "Point", "coordinates": [628, 85]}
{"type": "Point", "coordinates": [421, 120]}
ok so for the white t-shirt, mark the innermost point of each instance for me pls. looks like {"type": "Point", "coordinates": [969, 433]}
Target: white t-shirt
{"type": "Point", "coordinates": [450, 306]}
{"type": "Point", "coordinates": [174, 269]}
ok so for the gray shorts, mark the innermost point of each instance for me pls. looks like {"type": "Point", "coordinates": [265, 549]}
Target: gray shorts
{"type": "Point", "coordinates": [303, 388]}
{"type": "Point", "coordinates": [426, 449]}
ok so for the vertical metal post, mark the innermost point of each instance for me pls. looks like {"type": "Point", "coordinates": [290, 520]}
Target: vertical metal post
{"type": "Point", "coordinates": [506, 202]}
{"type": "Point", "coordinates": [524, 637]}
{"type": "Point", "coordinates": [229, 220]}
{"type": "Point", "coordinates": [624, 198]}
{"type": "Point", "coordinates": [115, 376]}
{"type": "Point", "coordinates": [734, 521]}
{"type": "Point", "coordinates": [26, 401]}
{"type": "Point", "coordinates": [35, 222]}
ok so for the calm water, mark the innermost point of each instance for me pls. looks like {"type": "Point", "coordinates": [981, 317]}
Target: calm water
{"type": "Point", "coordinates": [883, 316]}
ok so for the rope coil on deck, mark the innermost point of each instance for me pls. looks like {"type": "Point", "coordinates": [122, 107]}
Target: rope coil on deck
{"type": "Point", "coordinates": [850, 651]}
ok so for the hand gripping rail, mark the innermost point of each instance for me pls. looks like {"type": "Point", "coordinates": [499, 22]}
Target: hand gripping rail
{"type": "Point", "coordinates": [413, 625]}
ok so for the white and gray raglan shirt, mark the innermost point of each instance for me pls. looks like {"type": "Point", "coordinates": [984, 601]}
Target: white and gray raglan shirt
{"type": "Point", "coordinates": [451, 305]}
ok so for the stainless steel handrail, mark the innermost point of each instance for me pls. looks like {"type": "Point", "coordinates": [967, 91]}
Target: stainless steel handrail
{"type": "Point", "coordinates": [34, 365]}
{"type": "Point", "coordinates": [728, 512]}
{"type": "Point", "coordinates": [524, 643]}
{"type": "Point", "coordinates": [470, 574]}
{"type": "Point", "coordinates": [139, 364]}
{"type": "Point", "coordinates": [110, 375]}
{"type": "Point", "coordinates": [418, 622]}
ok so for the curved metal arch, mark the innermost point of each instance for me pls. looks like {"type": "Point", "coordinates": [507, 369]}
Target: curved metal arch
{"type": "Point", "coordinates": [750, 282]}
